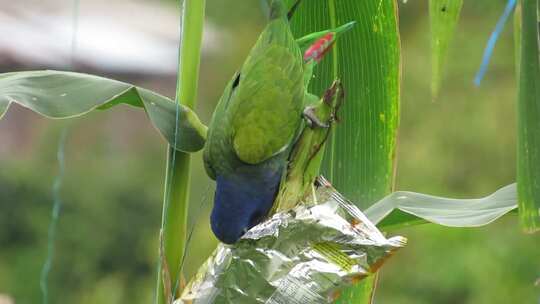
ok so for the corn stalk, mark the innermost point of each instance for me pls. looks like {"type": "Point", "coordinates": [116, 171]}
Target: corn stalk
{"type": "Point", "coordinates": [177, 180]}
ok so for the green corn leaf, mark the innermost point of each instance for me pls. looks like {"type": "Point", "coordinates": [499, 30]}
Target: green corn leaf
{"type": "Point", "coordinates": [57, 94]}
{"type": "Point", "coordinates": [528, 175]}
{"type": "Point", "coordinates": [359, 158]}
{"type": "Point", "coordinates": [403, 209]}
{"type": "Point", "coordinates": [444, 16]}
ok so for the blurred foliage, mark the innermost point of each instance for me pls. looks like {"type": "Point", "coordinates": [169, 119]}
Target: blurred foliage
{"type": "Point", "coordinates": [462, 145]}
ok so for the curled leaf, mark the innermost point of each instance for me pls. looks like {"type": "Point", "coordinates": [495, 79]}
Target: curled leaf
{"type": "Point", "coordinates": [401, 209]}
{"type": "Point", "coordinates": [57, 94]}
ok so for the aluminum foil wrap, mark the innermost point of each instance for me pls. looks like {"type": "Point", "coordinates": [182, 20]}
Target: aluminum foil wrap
{"type": "Point", "coordinates": [305, 255]}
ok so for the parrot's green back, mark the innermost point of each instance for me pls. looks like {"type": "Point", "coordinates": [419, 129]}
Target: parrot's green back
{"type": "Point", "coordinates": [259, 114]}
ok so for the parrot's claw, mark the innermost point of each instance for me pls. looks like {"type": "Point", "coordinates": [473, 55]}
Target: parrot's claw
{"type": "Point", "coordinates": [330, 95]}
{"type": "Point", "coordinates": [331, 101]}
{"type": "Point", "coordinates": [312, 119]}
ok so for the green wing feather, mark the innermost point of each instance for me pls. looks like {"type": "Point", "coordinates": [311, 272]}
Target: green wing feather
{"type": "Point", "coordinates": [259, 113]}
{"type": "Point", "coordinates": [267, 106]}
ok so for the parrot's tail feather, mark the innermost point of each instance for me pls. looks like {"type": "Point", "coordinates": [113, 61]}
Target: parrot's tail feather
{"type": "Point", "coordinates": [279, 10]}
{"type": "Point", "coordinates": [291, 12]}
{"type": "Point", "coordinates": [318, 49]}
{"type": "Point", "coordinates": [320, 42]}
{"type": "Point", "coordinates": [344, 28]}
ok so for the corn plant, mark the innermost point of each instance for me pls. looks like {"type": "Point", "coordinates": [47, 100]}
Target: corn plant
{"type": "Point", "coordinates": [360, 154]}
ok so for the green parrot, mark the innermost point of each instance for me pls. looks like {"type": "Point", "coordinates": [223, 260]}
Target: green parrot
{"type": "Point", "coordinates": [257, 122]}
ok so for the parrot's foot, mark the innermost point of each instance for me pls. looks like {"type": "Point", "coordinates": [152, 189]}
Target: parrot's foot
{"type": "Point", "coordinates": [310, 114]}
{"type": "Point", "coordinates": [331, 101]}
{"type": "Point", "coordinates": [333, 97]}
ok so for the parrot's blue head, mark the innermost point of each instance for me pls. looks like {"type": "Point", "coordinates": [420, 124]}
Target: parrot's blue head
{"type": "Point", "coordinates": [242, 200]}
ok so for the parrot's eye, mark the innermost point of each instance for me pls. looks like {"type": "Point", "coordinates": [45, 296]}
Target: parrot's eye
{"type": "Point", "coordinates": [236, 81]}
{"type": "Point", "coordinates": [235, 84]}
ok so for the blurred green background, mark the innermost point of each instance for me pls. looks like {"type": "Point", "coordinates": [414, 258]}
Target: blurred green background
{"type": "Point", "coordinates": [461, 145]}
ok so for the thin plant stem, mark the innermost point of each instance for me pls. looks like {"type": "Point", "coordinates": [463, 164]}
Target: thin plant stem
{"type": "Point", "coordinates": [177, 179]}
{"type": "Point", "coordinates": [55, 216]}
